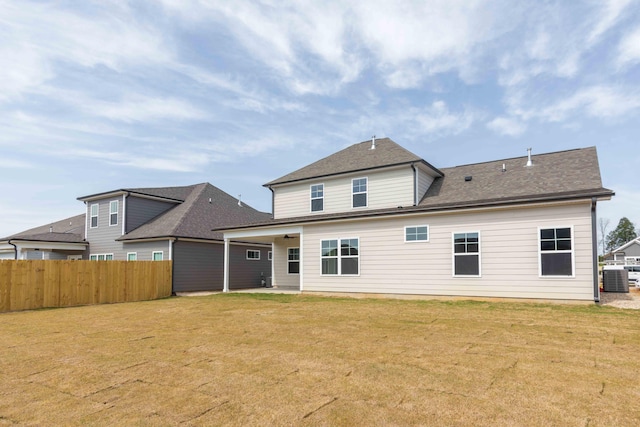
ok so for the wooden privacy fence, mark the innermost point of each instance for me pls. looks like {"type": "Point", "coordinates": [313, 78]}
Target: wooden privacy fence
{"type": "Point", "coordinates": [27, 285]}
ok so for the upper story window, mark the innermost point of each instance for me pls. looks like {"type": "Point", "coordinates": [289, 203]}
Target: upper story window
{"type": "Point", "coordinates": [466, 254]}
{"type": "Point", "coordinates": [157, 255]}
{"type": "Point", "coordinates": [556, 252]}
{"type": "Point", "coordinates": [359, 186]}
{"type": "Point", "coordinates": [113, 212]}
{"type": "Point", "coordinates": [317, 198]}
{"type": "Point", "coordinates": [94, 215]}
{"type": "Point", "coordinates": [419, 233]}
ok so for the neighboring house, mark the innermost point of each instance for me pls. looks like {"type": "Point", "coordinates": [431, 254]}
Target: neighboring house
{"type": "Point", "coordinates": [150, 224]}
{"type": "Point", "coordinates": [629, 254]}
{"type": "Point", "coordinates": [59, 240]}
{"type": "Point", "coordinates": [376, 218]}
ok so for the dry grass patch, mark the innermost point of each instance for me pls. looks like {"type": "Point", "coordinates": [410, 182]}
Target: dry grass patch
{"type": "Point", "coordinates": [242, 359]}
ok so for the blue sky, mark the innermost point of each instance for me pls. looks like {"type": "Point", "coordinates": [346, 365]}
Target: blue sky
{"type": "Point", "coordinates": [96, 96]}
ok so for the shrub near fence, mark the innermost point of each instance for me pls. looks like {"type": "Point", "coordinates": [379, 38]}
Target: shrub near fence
{"type": "Point", "coordinates": [27, 285]}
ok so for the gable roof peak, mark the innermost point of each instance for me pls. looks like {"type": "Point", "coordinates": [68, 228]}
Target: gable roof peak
{"type": "Point", "coordinates": [371, 154]}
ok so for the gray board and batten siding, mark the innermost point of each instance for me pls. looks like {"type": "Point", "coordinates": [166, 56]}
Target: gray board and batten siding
{"type": "Point", "coordinates": [198, 266]}
{"type": "Point", "coordinates": [142, 210]}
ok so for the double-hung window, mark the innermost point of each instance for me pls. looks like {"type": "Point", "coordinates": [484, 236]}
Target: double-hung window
{"type": "Point", "coordinates": [466, 254]}
{"type": "Point", "coordinates": [556, 251]}
{"type": "Point", "coordinates": [132, 256]}
{"type": "Point", "coordinates": [317, 198]}
{"type": "Point", "coordinates": [359, 192]}
{"type": "Point", "coordinates": [94, 215]}
{"type": "Point", "coordinates": [340, 257]}
{"type": "Point", "coordinates": [293, 260]}
{"type": "Point", "coordinates": [113, 212]}
{"type": "Point", "coordinates": [157, 255]}
{"type": "Point", "coordinates": [418, 233]}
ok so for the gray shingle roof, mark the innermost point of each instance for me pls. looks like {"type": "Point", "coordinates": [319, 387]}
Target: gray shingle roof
{"type": "Point", "coordinates": [68, 230]}
{"type": "Point", "coordinates": [560, 175]}
{"type": "Point", "coordinates": [571, 171]}
{"type": "Point", "coordinates": [358, 157]}
{"type": "Point", "coordinates": [195, 217]}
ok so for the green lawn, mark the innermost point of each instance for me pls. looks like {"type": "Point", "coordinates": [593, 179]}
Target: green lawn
{"type": "Point", "coordinates": [257, 359]}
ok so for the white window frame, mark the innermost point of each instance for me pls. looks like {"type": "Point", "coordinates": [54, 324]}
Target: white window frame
{"type": "Point", "coordinates": [453, 254]}
{"type": "Point", "coordinates": [253, 251]}
{"type": "Point", "coordinates": [416, 227]}
{"type": "Point", "coordinates": [153, 255]}
{"type": "Point", "coordinates": [135, 256]}
{"type": "Point", "coordinates": [293, 260]}
{"type": "Point", "coordinates": [366, 193]}
{"type": "Point", "coordinates": [111, 213]}
{"type": "Point", "coordinates": [316, 198]}
{"type": "Point", "coordinates": [572, 251]}
{"type": "Point", "coordinates": [101, 257]}
{"type": "Point", "coordinates": [339, 256]}
{"type": "Point", "coordinates": [96, 216]}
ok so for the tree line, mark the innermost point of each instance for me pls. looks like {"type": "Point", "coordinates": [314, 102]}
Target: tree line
{"type": "Point", "coordinates": [623, 233]}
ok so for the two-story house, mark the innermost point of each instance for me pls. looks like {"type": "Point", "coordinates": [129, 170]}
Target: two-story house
{"type": "Point", "coordinates": [376, 218]}
{"type": "Point", "coordinates": [155, 224]}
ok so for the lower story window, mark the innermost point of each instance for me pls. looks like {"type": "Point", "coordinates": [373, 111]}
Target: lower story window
{"type": "Point", "coordinates": [101, 257]}
{"type": "Point", "coordinates": [466, 254]}
{"type": "Point", "coordinates": [293, 260]}
{"type": "Point", "coordinates": [556, 252]}
{"type": "Point", "coordinates": [157, 256]}
{"type": "Point", "coordinates": [340, 260]}
{"type": "Point", "coordinates": [253, 254]}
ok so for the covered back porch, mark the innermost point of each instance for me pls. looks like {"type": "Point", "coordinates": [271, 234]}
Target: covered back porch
{"type": "Point", "coordinates": [286, 254]}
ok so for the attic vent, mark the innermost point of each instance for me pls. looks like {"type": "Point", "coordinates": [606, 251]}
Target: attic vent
{"type": "Point", "coordinates": [468, 178]}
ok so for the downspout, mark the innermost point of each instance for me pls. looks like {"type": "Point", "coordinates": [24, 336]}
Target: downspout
{"type": "Point", "coordinates": [594, 243]}
{"type": "Point", "coordinates": [15, 249]}
{"type": "Point", "coordinates": [173, 265]}
{"type": "Point", "coordinates": [415, 185]}
{"type": "Point", "coordinates": [124, 212]}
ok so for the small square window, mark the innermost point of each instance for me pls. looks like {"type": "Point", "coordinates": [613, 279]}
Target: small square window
{"type": "Point", "coordinates": [418, 233]}
{"type": "Point", "coordinates": [253, 255]}
{"type": "Point", "coordinates": [157, 256]}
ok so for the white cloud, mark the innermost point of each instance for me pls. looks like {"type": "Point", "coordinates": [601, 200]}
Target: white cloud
{"type": "Point", "coordinates": [507, 126]}
{"type": "Point", "coordinates": [144, 109]}
{"type": "Point", "coordinates": [603, 102]}
{"type": "Point", "coordinates": [629, 49]}
{"type": "Point", "coordinates": [609, 15]}
{"type": "Point", "coordinates": [39, 37]}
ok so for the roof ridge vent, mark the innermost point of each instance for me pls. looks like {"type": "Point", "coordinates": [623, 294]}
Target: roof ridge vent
{"type": "Point", "coordinates": [373, 142]}
{"type": "Point", "coordinates": [529, 163]}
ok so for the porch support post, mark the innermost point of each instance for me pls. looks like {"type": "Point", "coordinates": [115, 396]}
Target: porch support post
{"type": "Point", "coordinates": [226, 265]}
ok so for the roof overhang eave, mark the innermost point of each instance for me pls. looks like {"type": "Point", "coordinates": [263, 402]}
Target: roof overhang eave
{"type": "Point", "coordinates": [604, 195]}
{"type": "Point", "coordinates": [421, 161]}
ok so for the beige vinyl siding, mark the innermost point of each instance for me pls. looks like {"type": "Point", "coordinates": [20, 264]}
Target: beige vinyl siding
{"type": "Point", "coordinates": [385, 189]}
{"type": "Point", "coordinates": [280, 265]}
{"type": "Point", "coordinates": [508, 250]}
{"type": "Point", "coordinates": [424, 182]}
